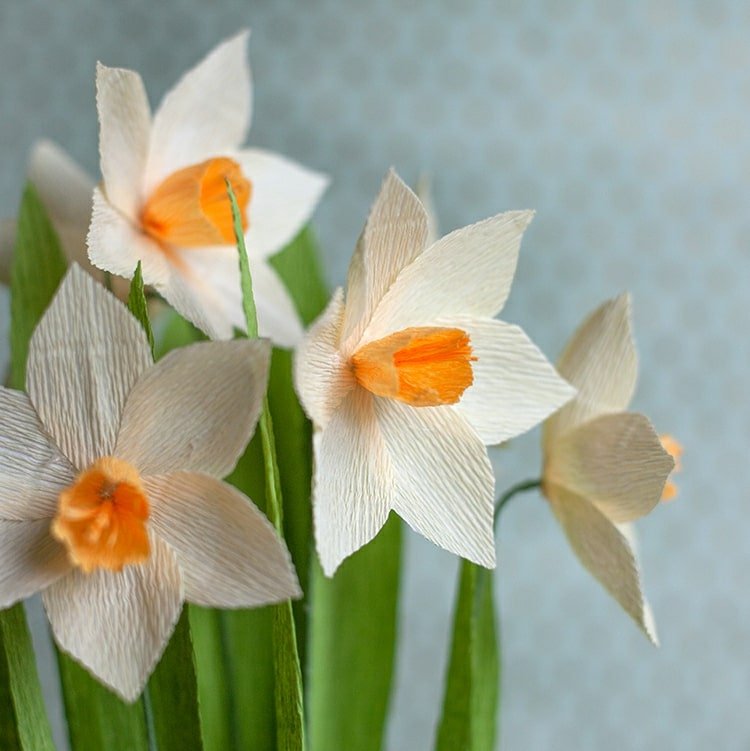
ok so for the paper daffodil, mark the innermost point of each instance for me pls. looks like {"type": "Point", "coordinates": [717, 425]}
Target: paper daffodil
{"type": "Point", "coordinates": [604, 467]}
{"type": "Point", "coordinates": [408, 378]}
{"type": "Point", "coordinates": [163, 199]}
{"type": "Point", "coordinates": [111, 502]}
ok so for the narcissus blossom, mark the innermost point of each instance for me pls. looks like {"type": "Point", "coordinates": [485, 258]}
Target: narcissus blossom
{"type": "Point", "coordinates": [111, 502]}
{"type": "Point", "coordinates": [604, 467]}
{"type": "Point", "coordinates": [163, 199]}
{"type": "Point", "coordinates": [409, 377]}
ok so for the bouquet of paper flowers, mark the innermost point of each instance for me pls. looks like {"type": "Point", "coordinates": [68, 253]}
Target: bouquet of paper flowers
{"type": "Point", "coordinates": [205, 460]}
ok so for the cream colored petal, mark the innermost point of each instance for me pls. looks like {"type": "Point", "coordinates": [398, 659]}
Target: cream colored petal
{"type": "Point", "coordinates": [444, 484]}
{"type": "Point", "coordinates": [615, 461]}
{"type": "Point", "coordinates": [604, 551]}
{"type": "Point", "coordinates": [628, 530]}
{"type": "Point", "coordinates": [283, 199]}
{"type": "Point", "coordinates": [321, 376]}
{"type": "Point", "coordinates": [424, 192]}
{"type": "Point", "coordinates": [32, 469]}
{"type": "Point", "coordinates": [84, 357]}
{"type": "Point", "coordinates": [229, 554]}
{"type": "Point", "coordinates": [601, 362]}
{"type": "Point", "coordinates": [124, 134]}
{"type": "Point", "coordinates": [117, 624]}
{"type": "Point", "coordinates": [7, 244]}
{"type": "Point", "coordinates": [514, 388]}
{"type": "Point", "coordinates": [196, 409]}
{"type": "Point", "coordinates": [394, 235]}
{"type": "Point", "coordinates": [30, 560]}
{"type": "Point", "coordinates": [466, 273]}
{"type": "Point", "coordinates": [353, 481]}
{"type": "Point", "coordinates": [206, 114]}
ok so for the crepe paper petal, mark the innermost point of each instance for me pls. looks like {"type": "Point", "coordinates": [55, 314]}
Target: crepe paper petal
{"type": "Point", "coordinates": [615, 461]}
{"type": "Point", "coordinates": [394, 235]}
{"type": "Point", "coordinates": [284, 196]}
{"type": "Point", "coordinates": [124, 133]}
{"type": "Point", "coordinates": [321, 375]}
{"type": "Point", "coordinates": [600, 360]}
{"type": "Point", "coordinates": [468, 272]}
{"type": "Point", "coordinates": [604, 551]}
{"type": "Point", "coordinates": [443, 480]}
{"type": "Point", "coordinates": [30, 559]}
{"type": "Point", "coordinates": [229, 553]}
{"type": "Point", "coordinates": [514, 388]}
{"type": "Point", "coordinates": [353, 481]}
{"type": "Point", "coordinates": [32, 470]}
{"type": "Point", "coordinates": [118, 624]}
{"type": "Point", "coordinates": [629, 532]}
{"type": "Point", "coordinates": [196, 409]}
{"type": "Point", "coordinates": [84, 358]}
{"type": "Point", "coordinates": [424, 192]}
{"type": "Point", "coordinates": [205, 114]}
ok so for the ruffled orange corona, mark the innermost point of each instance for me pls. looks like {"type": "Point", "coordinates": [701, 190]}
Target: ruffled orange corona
{"type": "Point", "coordinates": [190, 208]}
{"type": "Point", "coordinates": [101, 518]}
{"type": "Point", "coordinates": [674, 449]}
{"type": "Point", "coordinates": [422, 366]}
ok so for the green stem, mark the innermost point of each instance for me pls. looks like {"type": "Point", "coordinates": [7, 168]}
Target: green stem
{"type": "Point", "coordinates": [521, 487]}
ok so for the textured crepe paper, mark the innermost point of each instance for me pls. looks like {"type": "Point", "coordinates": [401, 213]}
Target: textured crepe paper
{"type": "Point", "coordinates": [429, 464]}
{"type": "Point", "coordinates": [182, 424]}
{"type": "Point", "coordinates": [206, 115]}
{"type": "Point", "coordinates": [604, 467]}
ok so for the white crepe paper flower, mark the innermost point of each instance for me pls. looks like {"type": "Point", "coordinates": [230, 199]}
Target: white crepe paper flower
{"type": "Point", "coordinates": [604, 467]}
{"type": "Point", "coordinates": [111, 502]}
{"type": "Point", "coordinates": [163, 199]}
{"type": "Point", "coordinates": [408, 378]}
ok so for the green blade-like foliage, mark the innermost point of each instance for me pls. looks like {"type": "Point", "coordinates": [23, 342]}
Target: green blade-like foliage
{"type": "Point", "coordinates": [138, 305]}
{"type": "Point", "coordinates": [469, 717]}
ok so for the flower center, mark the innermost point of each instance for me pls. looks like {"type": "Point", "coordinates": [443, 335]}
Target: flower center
{"type": "Point", "coordinates": [101, 518]}
{"type": "Point", "coordinates": [422, 366]}
{"type": "Point", "coordinates": [191, 208]}
{"type": "Point", "coordinates": [674, 449]}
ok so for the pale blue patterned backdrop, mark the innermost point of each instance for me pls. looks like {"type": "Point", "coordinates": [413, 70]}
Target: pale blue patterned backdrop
{"type": "Point", "coordinates": [626, 126]}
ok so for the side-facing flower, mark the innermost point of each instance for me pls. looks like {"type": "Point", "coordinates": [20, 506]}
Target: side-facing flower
{"type": "Point", "coordinates": [163, 199]}
{"type": "Point", "coordinates": [604, 467]}
{"type": "Point", "coordinates": [408, 379]}
{"type": "Point", "coordinates": [111, 501]}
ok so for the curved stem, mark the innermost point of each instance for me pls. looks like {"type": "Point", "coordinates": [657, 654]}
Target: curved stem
{"type": "Point", "coordinates": [521, 487]}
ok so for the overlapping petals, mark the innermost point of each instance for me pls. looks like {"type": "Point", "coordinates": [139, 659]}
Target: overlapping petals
{"type": "Point", "coordinates": [427, 463]}
{"type": "Point", "coordinates": [180, 425]}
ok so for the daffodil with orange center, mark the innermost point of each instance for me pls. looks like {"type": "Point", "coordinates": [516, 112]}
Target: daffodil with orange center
{"type": "Point", "coordinates": [163, 197]}
{"type": "Point", "coordinates": [111, 502]}
{"type": "Point", "coordinates": [409, 377]}
{"type": "Point", "coordinates": [605, 467]}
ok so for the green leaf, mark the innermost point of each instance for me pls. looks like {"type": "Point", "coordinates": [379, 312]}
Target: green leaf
{"type": "Point", "coordinates": [37, 269]}
{"type": "Point", "coordinates": [352, 646]}
{"type": "Point", "coordinates": [469, 716]}
{"type": "Point", "coordinates": [138, 306]}
{"type": "Point", "coordinates": [173, 691]}
{"type": "Point", "coordinates": [290, 730]}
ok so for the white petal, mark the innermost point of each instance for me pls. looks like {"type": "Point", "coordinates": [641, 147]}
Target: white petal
{"type": "Point", "coordinates": [206, 114]}
{"type": "Point", "coordinates": [124, 133]}
{"type": "Point", "coordinates": [196, 409]}
{"type": "Point", "coordinates": [424, 192]}
{"type": "Point", "coordinates": [615, 461]}
{"type": "Point", "coordinates": [514, 388]}
{"type": "Point", "coordinates": [394, 235]}
{"type": "Point", "coordinates": [604, 551]}
{"type": "Point", "coordinates": [466, 273]}
{"type": "Point", "coordinates": [353, 482]}
{"type": "Point", "coordinates": [321, 376]}
{"type": "Point", "coordinates": [7, 245]}
{"type": "Point", "coordinates": [601, 362]}
{"type": "Point", "coordinates": [84, 357]}
{"type": "Point", "coordinates": [229, 554]}
{"type": "Point", "coordinates": [629, 532]}
{"type": "Point", "coordinates": [32, 469]}
{"type": "Point", "coordinates": [30, 560]}
{"type": "Point", "coordinates": [118, 624]}
{"type": "Point", "coordinates": [444, 484]}
{"type": "Point", "coordinates": [284, 196]}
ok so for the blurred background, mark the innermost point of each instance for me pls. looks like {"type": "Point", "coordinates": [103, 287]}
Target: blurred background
{"type": "Point", "coordinates": [625, 126]}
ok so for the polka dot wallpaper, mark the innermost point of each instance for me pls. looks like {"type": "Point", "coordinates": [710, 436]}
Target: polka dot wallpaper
{"type": "Point", "coordinates": [625, 126]}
